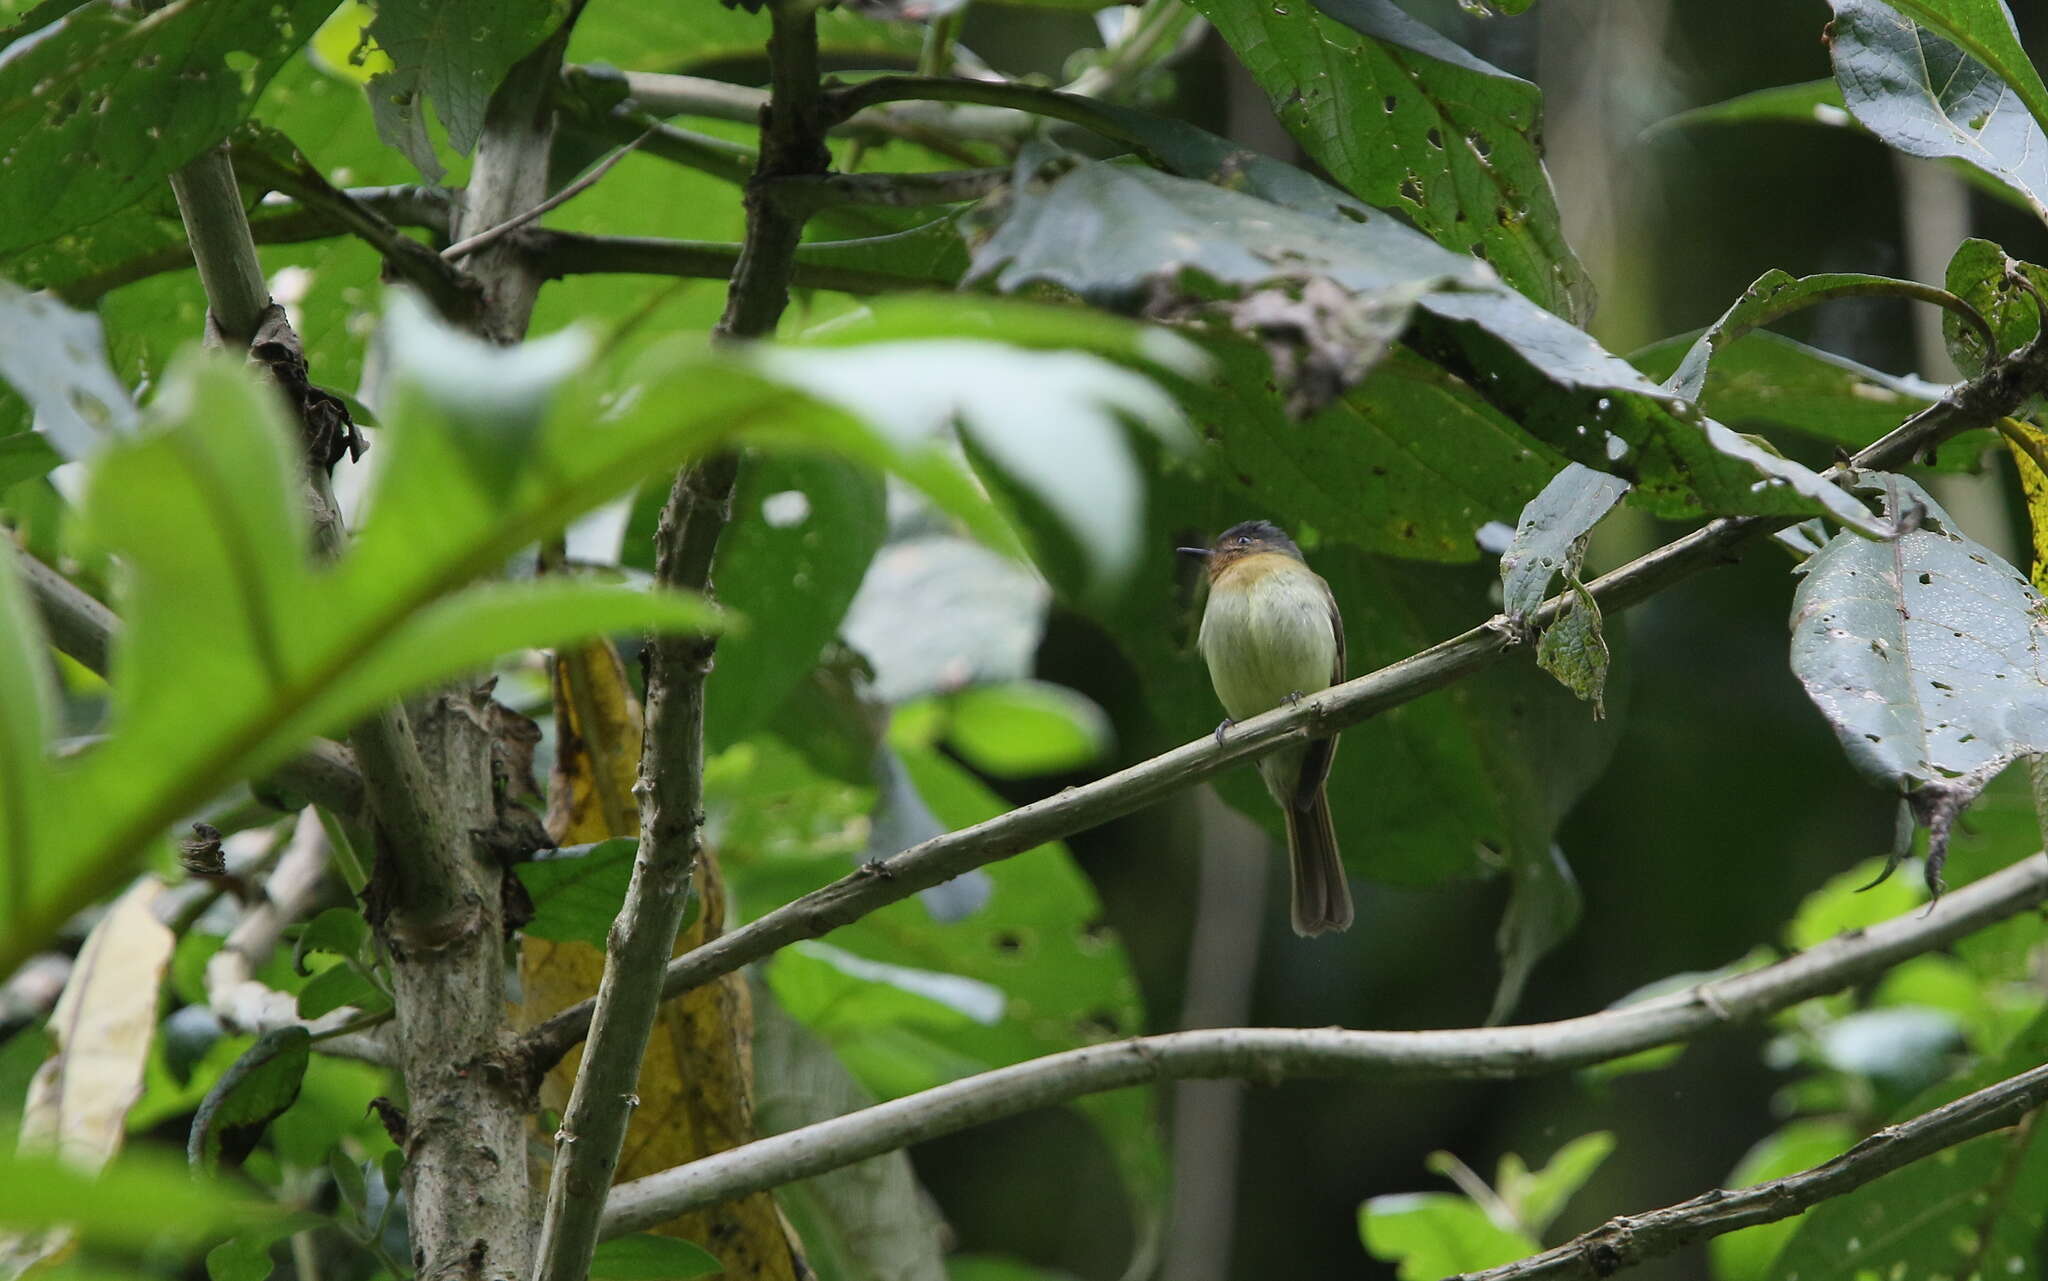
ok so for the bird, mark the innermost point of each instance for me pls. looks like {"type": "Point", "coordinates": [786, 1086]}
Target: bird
{"type": "Point", "coordinates": [1271, 633]}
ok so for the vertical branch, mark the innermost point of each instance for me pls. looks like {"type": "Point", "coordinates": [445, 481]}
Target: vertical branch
{"type": "Point", "coordinates": [222, 246]}
{"type": "Point", "coordinates": [436, 904]}
{"type": "Point", "coordinates": [670, 789]}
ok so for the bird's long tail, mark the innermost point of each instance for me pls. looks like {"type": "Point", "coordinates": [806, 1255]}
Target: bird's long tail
{"type": "Point", "coordinates": [1322, 895]}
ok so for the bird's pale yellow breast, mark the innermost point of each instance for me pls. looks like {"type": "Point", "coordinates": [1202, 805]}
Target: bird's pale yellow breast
{"type": "Point", "coordinates": [1267, 633]}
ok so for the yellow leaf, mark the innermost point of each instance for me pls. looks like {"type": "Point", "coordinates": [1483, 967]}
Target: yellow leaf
{"type": "Point", "coordinates": [696, 1081]}
{"type": "Point", "coordinates": [2028, 445]}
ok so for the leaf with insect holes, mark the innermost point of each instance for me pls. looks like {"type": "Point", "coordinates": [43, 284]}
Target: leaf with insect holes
{"type": "Point", "coordinates": [82, 101]}
{"type": "Point", "coordinates": [1550, 537]}
{"type": "Point", "coordinates": [1928, 655]}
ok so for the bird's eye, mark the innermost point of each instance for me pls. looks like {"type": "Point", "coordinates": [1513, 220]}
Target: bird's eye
{"type": "Point", "coordinates": [1244, 540]}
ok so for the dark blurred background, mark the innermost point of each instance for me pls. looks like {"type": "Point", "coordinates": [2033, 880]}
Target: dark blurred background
{"type": "Point", "coordinates": [1727, 800]}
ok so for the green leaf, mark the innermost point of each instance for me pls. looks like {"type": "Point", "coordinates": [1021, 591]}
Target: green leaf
{"type": "Point", "coordinates": [339, 931]}
{"type": "Point", "coordinates": [1410, 463]}
{"type": "Point", "coordinates": [25, 456]}
{"type": "Point", "coordinates": [1550, 537]}
{"type": "Point", "coordinates": [261, 1085]}
{"type": "Point", "coordinates": [343, 985]}
{"type": "Point", "coordinates": [1923, 655]}
{"type": "Point", "coordinates": [1809, 102]}
{"type": "Point", "coordinates": [1975, 1209]}
{"type": "Point", "coordinates": [1985, 29]}
{"type": "Point", "coordinates": [1849, 901]}
{"type": "Point", "coordinates": [1050, 419]}
{"type": "Point", "coordinates": [240, 1258]}
{"type": "Point", "coordinates": [224, 663]}
{"type": "Point", "coordinates": [833, 991]}
{"type": "Point", "coordinates": [348, 1180]}
{"type": "Point", "coordinates": [1025, 729]}
{"type": "Point", "coordinates": [646, 1257]}
{"type": "Point", "coordinates": [1982, 274]}
{"type": "Point", "coordinates": [144, 1198]}
{"type": "Point", "coordinates": [1594, 408]}
{"type": "Point", "coordinates": [640, 38]}
{"type": "Point", "coordinates": [1763, 380]}
{"type": "Point", "coordinates": [1777, 294]}
{"type": "Point", "coordinates": [1574, 650]}
{"type": "Point", "coordinates": [577, 891]}
{"type": "Point", "coordinates": [1538, 1198]}
{"type": "Point", "coordinates": [1430, 1235]}
{"type": "Point", "coordinates": [25, 689]}
{"type": "Point", "coordinates": [1036, 941]}
{"type": "Point", "coordinates": [1918, 89]}
{"type": "Point", "coordinates": [454, 52]}
{"type": "Point", "coordinates": [80, 101]}
{"type": "Point", "coordinates": [1410, 121]}
{"type": "Point", "coordinates": [804, 529]}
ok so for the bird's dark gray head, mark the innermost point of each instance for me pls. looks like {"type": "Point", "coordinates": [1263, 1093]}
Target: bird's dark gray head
{"type": "Point", "coordinates": [1248, 538]}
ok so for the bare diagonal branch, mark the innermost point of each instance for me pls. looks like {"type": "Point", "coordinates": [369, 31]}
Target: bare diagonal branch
{"type": "Point", "coordinates": [1627, 1240]}
{"type": "Point", "coordinates": [1273, 1054]}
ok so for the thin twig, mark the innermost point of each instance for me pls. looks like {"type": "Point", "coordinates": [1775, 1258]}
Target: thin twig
{"type": "Point", "coordinates": [1627, 1240]}
{"type": "Point", "coordinates": [1271, 1054]}
{"type": "Point", "coordinates": [453, 293]}
{"type": "Point", "coordinates": [282, 224]}
{"type": "Point", "coordinates": [585, 182]}
{"type": "Point", "coordinates": [1977, 403]}
{"type": "Point", "coordinates": [897, 190]}
{"type": "Point", "coordinates": [566, 253]}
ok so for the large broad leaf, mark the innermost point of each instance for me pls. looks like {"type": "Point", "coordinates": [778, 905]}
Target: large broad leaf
{"type": "Point", "coordinates": [1927, 654]}
{"type": "Point", "coordinates": [1916, 88]}
{"type": "Point", "coordinates": [236, 647]}
{"type": "Point", "coordinates": [1410, 121]}
{"type": "Point", "coordinates": [1048, 417]}
{"type": "Point", "coordinates": [1410, 463]}
{"type": "Point", "coordinates": [81, 99]}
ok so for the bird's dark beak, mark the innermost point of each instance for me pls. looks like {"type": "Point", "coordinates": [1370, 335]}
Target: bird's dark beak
{"type": "Point", "coordinates": [1203, 552]}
